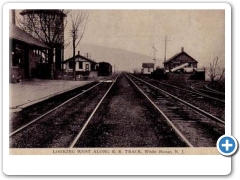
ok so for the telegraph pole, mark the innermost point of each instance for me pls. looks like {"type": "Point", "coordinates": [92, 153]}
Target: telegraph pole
{"type": "Point", "coordinates": [74, 49]}
{"type": "Point", "coordinates": [154, 54]}
{"type": "Point", "coordinates": [165, 48]}
{"type": "Point", "coordinates": [165, 51]}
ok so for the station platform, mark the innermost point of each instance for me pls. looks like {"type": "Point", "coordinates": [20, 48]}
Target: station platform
{"type": "Point", "coordinates": [28, 92]}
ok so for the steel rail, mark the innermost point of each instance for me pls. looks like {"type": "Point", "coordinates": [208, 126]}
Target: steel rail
{"type": "Point", "coordinates": [163, 114]}
{"type": "Point", "coordinates": [199, 90]}
{"type": "Point", "coordinates": [186, 103]}
{"type": "Point", "coordinates": [207, 91]}
{"type": "Point", "coordinates": [90, 117]}
{"type": "Point", "coordinates": [213, 90]}
{"type": "Point", "coordinates": [48, 112]}
{"type": "Point", "coordinates": [193, 91]}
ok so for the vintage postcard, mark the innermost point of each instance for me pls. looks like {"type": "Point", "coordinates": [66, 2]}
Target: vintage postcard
{"type": "Point", "coordinates": [131, 80]}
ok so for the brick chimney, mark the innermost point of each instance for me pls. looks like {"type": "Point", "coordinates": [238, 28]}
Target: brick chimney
{"type": "Point", "coordinates": [78, 52]}
{"type": "Point", "coordinates": [182, 49]}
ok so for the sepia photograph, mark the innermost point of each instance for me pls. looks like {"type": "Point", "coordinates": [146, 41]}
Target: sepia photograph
{"type": "Point", "coordinates": [116, 81]}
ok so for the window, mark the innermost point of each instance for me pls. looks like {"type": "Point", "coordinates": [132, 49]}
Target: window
{"type": "Point", "coordinates": [17, 55]}
{"type": "Point", "coordinates": [80, 64]}
{"type": "Point", "coordinates": [148, 69]}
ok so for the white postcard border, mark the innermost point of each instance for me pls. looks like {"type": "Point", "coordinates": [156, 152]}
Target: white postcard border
{"type": "Point", "coordinates": [114, 164]}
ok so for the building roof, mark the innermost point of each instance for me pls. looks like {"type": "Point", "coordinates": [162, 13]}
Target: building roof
{"type": "Point", "coordinates": [20, 35]}
{"type": "Point", "coordinates": [148, 65]}
{"type": "Point", "coordinates": [176, 55]}
{"type": "Point", "coordinates": [44, 11]}
{"type": "Point", "coordinates": [79, 56]}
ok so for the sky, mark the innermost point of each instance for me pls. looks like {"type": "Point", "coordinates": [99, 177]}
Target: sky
{"type": "Point", "coordinates": [200, 32]}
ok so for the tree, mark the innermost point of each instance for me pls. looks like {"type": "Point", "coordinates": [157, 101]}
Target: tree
{"type": "Point", "coordinates": [47, 26]}
{"type": "Point", "coordinates": [79, 21]}
{"type": "Point", "coordinates": [215, 71]}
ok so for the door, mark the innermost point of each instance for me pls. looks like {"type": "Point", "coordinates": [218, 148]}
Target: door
{"type": "Point", "coordinates": [87, 67]}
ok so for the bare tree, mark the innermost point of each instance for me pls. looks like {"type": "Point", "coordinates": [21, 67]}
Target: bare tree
{"type": "Point", "coordinates": [221, 75]}
{"type": "Point", "coordinates": [48, 26]}
{"type": "Point", "coordinates": [79, 21]}
{"type": "Point", "coordinates": [215, 71]}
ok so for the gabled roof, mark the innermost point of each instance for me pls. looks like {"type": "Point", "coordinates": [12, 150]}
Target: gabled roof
{"type": "Point", "coordinates": [82, 57]}
{"type": "Point", "coordinates": [20, 35]}
{"type": "Point", "coordinates": [148, 65]}
{"type": "Point", "coordinates": [177, 55]}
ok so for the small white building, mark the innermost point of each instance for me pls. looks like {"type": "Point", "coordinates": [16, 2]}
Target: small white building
{"type": "Point", "coordinates": [83, 64]}
{"type": "Point", "coordinates": [147, 68]}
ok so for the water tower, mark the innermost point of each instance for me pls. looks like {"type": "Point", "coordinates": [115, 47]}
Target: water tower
{"type": "Point", "coordinates": [47, 26]}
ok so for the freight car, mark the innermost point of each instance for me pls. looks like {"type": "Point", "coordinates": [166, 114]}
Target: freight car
{"type": "Point", "coordinates": [159, 74]}
{"type": "Point", "coordinates": [104, 69]}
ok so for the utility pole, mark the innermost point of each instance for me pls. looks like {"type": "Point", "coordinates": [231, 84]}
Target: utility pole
{"type": "Point", "coordinates": [74, 49]}
{"type": "Point", "coordinates": [154, 55]}
{"type": "Point", "coordinates": [165, 51]}
{"type": "Point", "coordinates": [165, 48]}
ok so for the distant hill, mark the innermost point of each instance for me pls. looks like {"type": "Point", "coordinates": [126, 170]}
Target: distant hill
{"type": "Point", "coordinates": [122, 59]}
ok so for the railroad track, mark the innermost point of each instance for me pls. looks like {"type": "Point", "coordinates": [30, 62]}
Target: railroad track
{"type": "Point", "coordinates": [196, 127]}
{"type": "Point", "coordinates": [219, 92]}
{"type": "Point", "coordinates": [209, 104]}
{"type": "Point", "coordinates": [126, 119]}
{"type": "Point", "coordinates": [62, 125]}
{"type": "Point", "coordinates": [219, 97]}
{"type": "Point", "coordinates": [206, 91]}
{"type": "Point", "coordinates": [90, 117]}
{"type": "Point", "coordinates": [26, 114]}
